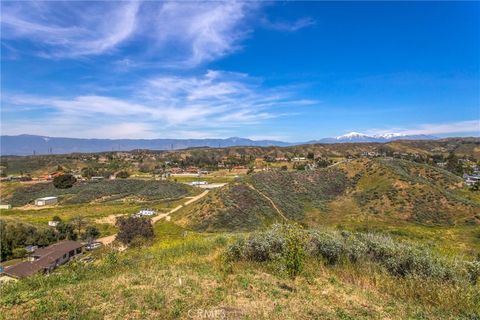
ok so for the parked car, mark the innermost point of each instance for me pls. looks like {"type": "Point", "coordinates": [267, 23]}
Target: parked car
{"type": "Point", "coordinates": [93, 246]}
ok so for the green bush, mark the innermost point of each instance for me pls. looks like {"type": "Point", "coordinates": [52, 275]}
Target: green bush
{"type": "Point", "coordinates": [294, 252]}
{"type": "Point", "coordinates": [398, 259]}
{"type": "Point", "coordinates": [330, 246]}
{"type": "Point", "coordinates": [64, 181]}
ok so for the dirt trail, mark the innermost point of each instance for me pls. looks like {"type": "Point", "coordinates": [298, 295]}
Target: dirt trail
{"type": "Point", "coordinates": [270, 200]}
{"type": "Point", "coordinates": [109, 239]}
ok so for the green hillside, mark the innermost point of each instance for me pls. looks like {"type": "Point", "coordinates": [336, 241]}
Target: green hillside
{"type": "Point", "coordinates": [247, 204]}
{"type": "Point", "coordinates": [396, 197]}
{"type": "Point", "coordinates": [404, 190]}
{"type": "Point", "coordinates": [105, 190]}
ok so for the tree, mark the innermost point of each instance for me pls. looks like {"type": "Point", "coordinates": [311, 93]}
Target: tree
{"type": "Point", "coordinates": [78, 221]}
{"type": "Point", "coordinates": [64, 181]}
{"type": "Point", "coordinates": [91, 233]}
{"type": "Point", "coordinates": [123, 175]}
{"type": "Point", "coordinates": [454, 165]}
{"type": "Point", "coordinates": [134, 227]}
{"type": "Point", "coordinates": [66, 231]}
{"type": "Point", "coordinates": [310, 155]}
{"type": "Point", "coordinates": [19, 252]}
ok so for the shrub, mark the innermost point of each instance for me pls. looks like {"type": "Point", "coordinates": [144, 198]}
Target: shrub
{"type": "Point", "coordinates": [294, 253]}
{"type": "Point", "coordinates": [19, 252]}
{"type": "Point", "coordinates": [265, 246]}
{"type": "Point", "coordinates": [122, 175]}
{"type": "Point", "coordinates": [91, 233]}
{"type": "Point", "coordinates": [326, 245]}
{"type": "Point", "coordinates": [398, 259]}
{"type": "Point", "coordinates": [64, 181]}
{"type": "Point", "coordinates": [473, 269]}
{"type": "Point", "coordinates": [133, 227]}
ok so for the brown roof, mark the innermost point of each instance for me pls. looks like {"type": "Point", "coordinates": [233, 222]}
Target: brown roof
{"type": "Point", "coordinates": [45, 258]}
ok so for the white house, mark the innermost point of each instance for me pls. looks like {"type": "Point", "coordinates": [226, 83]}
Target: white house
{"type": "Point", "coordinates": [46, 201]}
{"type": "Point", "coordinates": [5, 206]}
{"type": "Point", "coordinates": [146, 213]}
{"type": "Point", "coordinates": [198, 183]}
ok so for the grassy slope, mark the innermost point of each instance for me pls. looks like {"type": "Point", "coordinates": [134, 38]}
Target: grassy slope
{"type": "Point", "coordinates": [178, 277]}
{"type": "Point", "coordinates": [85, 192]}
{"type": "Point", "coordinates": [391, 196]}
{"type": "Point", "coordinates": [409, 191]}
{"type": "Point", "coordinates": [233, 207]}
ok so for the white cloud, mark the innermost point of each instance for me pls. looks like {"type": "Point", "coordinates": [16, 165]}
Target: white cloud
{"type": "Point", "coordinates": [210, 104]}
{"type": "Point", "coordinates": [200, 31]}
{"type": "Point", "coordinates": [178, 34]}
{"type": "Point", "coordinates": [433, 129]}
{"type": "Point", "coordinates": [62, 29]}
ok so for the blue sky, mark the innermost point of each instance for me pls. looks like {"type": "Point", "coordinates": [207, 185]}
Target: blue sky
{"type": "Point", "coordinates": [268, 70]}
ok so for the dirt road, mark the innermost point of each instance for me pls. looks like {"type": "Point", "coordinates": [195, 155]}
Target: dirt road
{"type": "Point", "coordinates": [270, 200]}
{"type": "Point", "coordinates": [110, 239]}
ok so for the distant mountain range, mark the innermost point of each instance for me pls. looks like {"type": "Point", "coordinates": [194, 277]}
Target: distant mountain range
{"type": "Point", "coordinates": [354, 137]}
{"type": "Point", "coordinates": [31, 144]}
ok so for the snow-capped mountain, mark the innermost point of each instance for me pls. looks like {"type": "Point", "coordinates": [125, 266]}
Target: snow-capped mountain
{"type": "Point", "coordinates": [354, 137]}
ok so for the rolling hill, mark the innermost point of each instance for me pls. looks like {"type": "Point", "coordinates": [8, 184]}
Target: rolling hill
{"type": "Point", "coordinates": [379, 189]}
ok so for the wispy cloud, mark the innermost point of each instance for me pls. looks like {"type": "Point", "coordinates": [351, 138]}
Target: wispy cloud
{"type": "Point", "coordinates": [286, 26]}
{"type": "Point", "coordinates": [179, 34]}
{"type": "Point", "coordinates": [207, 103]}
{"type": "Point", "coordinates": [467, 126]}
{"type": "Point", "coordinates": [68, 29]}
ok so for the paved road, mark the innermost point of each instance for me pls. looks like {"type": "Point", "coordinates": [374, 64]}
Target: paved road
{"type": "Point", "coordinates": [110, 239]}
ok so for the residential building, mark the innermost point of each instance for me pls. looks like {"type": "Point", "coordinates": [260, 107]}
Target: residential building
{"type": "Point", "coordinates": [45, 201]}
{"type": "Point", "coordinates": [146, 213]}
{"type": "Point", "coordinates": [44, 260]}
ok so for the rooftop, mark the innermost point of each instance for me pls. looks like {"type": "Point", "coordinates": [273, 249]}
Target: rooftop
{"type": "Point", "coordinates": [46, 257]}
{"type": "Point", "coordinates": [47, 198]}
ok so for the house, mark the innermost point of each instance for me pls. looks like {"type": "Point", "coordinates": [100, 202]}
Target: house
{"type": "Point", "coordinates": [44, 260]}
{"type": "Point", "coordinates": [5, 206]}
{"type": "Point", "coordinates": [97, 178]}
{"type": "Point", "coordinates": [45, 201]}
{"type": "Point", "coordinates": [198, 183]}
{"type": "Point", "coordinates": [146, 213]}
